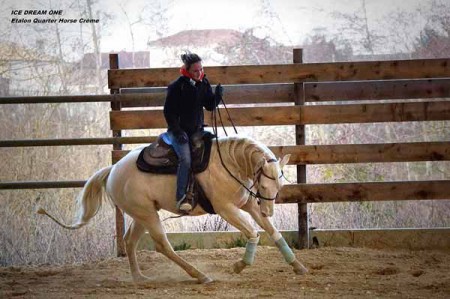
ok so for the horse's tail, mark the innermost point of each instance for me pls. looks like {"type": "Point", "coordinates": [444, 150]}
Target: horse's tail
{"type": "Point", "coordinates": [89, 200]}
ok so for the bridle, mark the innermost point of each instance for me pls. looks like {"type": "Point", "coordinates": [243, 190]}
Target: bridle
{"type": "Point", "coordinates": [258, 174]}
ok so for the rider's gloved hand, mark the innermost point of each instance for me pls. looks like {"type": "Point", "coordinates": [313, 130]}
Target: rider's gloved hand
{"type": "Point", "coordinates": [218, 92]}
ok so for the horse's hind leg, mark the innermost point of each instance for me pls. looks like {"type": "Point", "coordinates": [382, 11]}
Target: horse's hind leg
{"type": "Point", "coordinates": [131, 239]}
{"type": "Point", "coordinates": [152, 223]}
{"type": "Point", "coordinates": [252, 208]}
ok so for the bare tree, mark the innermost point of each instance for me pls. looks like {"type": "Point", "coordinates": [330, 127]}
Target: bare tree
{"type": "Point", "coordinates": [249, 49]}
{"type": "Point", "coordinates": [156, 18]}
{"type": "Point", "coordinates": [355, 27]}
{"type": "Point", "coordinates": [36, 61]}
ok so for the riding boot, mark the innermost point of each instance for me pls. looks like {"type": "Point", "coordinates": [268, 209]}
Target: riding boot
{"type": "Point", "coordinates": [186, 202]}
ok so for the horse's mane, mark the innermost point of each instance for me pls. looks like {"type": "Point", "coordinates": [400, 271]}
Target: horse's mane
{"type": "Point", "coordinates": [245, 154]}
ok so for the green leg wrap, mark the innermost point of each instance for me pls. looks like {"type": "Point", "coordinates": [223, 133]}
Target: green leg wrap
{"type": "Point", "coordinates": [285, 250]}
{"type": "Point", "coordinates": [250, 251]}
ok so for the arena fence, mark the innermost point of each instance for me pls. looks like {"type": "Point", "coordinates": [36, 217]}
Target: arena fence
{"type": "Point", "coordinates": [300, 94]}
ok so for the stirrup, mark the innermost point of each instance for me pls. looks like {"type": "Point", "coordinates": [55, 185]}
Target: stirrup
{"type": "Point", "coordinates": [183, 205]}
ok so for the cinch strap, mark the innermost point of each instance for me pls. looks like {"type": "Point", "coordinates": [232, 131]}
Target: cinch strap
{"type": "Point", "coordinates": [250, 250]}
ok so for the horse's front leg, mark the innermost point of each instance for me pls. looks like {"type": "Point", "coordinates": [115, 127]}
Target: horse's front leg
{"type": "Point", "coordinates": [252, 208]}
{"type": "Point", "coordinates": [235, 217]}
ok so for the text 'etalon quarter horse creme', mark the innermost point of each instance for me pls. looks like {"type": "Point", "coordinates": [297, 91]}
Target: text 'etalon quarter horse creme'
{"type": "Point", "coordinates": [141, 195]}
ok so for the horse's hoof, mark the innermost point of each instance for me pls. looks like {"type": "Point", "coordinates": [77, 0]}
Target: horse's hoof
{"type": "Point", "coordinates": [298, 268]}
{"type": "Point", "coordinates": [140, 279]}
{"type": "Point", "coordinates": [239, 266]}
{"type": "Point", "coordinates": [205, 280]}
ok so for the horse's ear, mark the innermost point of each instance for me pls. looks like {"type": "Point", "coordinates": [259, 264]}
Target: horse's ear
{"type": "Point", "coordinates": [285, 160]}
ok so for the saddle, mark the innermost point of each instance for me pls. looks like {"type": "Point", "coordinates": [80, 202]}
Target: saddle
{"type": "Point", "coordinates": [160, 158]}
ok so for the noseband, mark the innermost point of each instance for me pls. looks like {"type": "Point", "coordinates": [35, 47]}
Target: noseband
{"type": "Point", "coordinates": [258, 177]}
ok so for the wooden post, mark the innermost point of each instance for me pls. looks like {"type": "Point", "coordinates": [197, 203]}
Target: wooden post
{"type": "Point", "coordinates": [303, 218]}
{"type": "Point", "coordinates": [116, 106]}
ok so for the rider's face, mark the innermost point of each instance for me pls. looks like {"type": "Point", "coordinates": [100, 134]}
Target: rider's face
{"type": "Point", "coordinates": [196, 70]}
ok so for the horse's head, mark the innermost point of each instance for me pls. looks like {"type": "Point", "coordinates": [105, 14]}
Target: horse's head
{"type": "Point", "coordinates": [270, 180]}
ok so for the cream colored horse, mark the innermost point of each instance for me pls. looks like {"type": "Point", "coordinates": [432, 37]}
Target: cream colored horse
{"type": "Point", "coordinates": [141, 195]}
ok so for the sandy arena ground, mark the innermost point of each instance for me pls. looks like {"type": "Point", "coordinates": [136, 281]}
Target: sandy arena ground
{"type": "Point", "coordinates": [333, 273]}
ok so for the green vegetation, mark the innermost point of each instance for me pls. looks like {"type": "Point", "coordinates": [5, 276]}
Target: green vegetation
{"type": "Point", "coordinates": [182, 246]}
{"type": "Point", "coordinates": [240, 242]}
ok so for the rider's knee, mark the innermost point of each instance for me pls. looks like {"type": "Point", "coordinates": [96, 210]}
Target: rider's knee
{"type": "Point", "coordinates": [185, 160]}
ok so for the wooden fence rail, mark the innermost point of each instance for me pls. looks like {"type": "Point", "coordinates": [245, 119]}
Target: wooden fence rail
{"type": "Point", "coordinates": [269, 93]}
{"type": "Point", "coordinates": [40, 185]}
{"type": "Point", "coordinates": [355, 153]}
{"type": "Point", "coordinates": [289, 73]}
{"type": "Point", "coordinates": [311, 193]}
{"type": "Point", "coordinates": [373, 191]}
{"type": "Point", "coordinates": [296, 115]}
{"type": "Point", "coordinates": [313, 92]}
{"type": "Point", "coordinates": [76, 141]}
{"type": "Point", "coordinates": [375, 90]}
{"type": "Point", "coordinates": [73, 99]}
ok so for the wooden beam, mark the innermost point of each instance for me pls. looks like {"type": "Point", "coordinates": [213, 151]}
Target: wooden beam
{"type": "Point", "coordinates": [344, 192]}
{"type": "Point", "coordinates": [355, 153]}
{"type": "Point", "coordinates": [311, 193]}
{"type": "Point", "coordinates": [76, 141]}
{"type": "Point", "coordinates": [41, 185]}
{"type": "Point", "coordinates": [116, 106]}
{"type": "Point", "coordinates": [376, 90]}
{"type": "Point", "coordinates": [297, 115]}
{"type": "Point", "coordinates": [241, 116]}
{"type": "Point", "coordinates": [302, 208]}
{"type": "Point", "coordinates": [369, 113]}
{"type": "Point", "coordinates": [74, 99]}
{"type": "Point", "coordinates": [269, 93]}
{"type": "Point", "coordinates": [289, 73]}
{"type": "Point", "coordinates": [233, 94]}
{"type": "Point", "coordinates": [55, 99]}
{"type": "Point", "coordinates": [365, 153]}
{"type": "Point", "coordinates": [117, 155]}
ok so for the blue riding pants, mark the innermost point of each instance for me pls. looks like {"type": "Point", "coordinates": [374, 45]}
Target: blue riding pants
{"type": "Point", "coordinates": [183, 152]}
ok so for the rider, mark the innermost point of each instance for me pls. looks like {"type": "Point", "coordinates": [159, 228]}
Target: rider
{"type": "Point", "coordinates": [183, 111]}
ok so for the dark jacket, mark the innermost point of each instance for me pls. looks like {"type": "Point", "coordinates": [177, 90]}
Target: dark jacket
{"type": "Point", "coordinates": [184, 104]}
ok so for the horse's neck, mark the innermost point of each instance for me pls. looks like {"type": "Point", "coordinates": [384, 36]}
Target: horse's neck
{"type": "Point", "coordinates": [242, 154]}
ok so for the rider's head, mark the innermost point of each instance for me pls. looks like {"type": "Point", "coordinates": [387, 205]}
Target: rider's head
{"type": "Point", "coordinates": [193, 64]}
